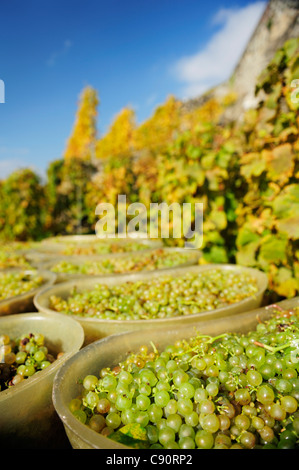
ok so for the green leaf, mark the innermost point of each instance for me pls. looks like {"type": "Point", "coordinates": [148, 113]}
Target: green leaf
{"type": "Point", "coordinates": [252, 165]}
{"type": "Point", "coordinates": [217, 254]}
{"type": "Point", "coordinates": [246, 256]}
{"type": "Point", "coordinates": [290, 226]}
{"type": "Point", "coordinates": [281, 163]}
{"type": "Point", "coordinates": [131, 435]}
{"type": "Point", "coordinates": [290, 47]}
{"type": "Point", "coordinates": [272, 250]}
{"type": "Point", "coordinates": [286, 204]}
{"type": "Point", "coordinates": [245, 236]}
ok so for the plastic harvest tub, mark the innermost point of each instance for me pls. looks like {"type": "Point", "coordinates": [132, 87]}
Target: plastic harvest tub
{"type": "Point", "coordinates": [114, 349]}
{"type": "Point", "coordinates": [27, 415]}
{"type": "Point", "coordinates": [193, 259]}
{"type": "Point", "coordinates": [24, 303]}
{"type": "Point", "coordinates": [96, 328]}
{"type": "Point", "coordinates": [57, 244]}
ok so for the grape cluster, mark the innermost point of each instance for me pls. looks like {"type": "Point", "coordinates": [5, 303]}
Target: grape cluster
{"type": "Point", "coordinates": [10, 259]}
{"type": "Point", "coordinates": [100, 247]}
{"type": "Point", "coordinates": [161, 297]}
{"type": "Point", "coordinates": [17, 283]}
{"type": "Point", "coordinates": [157, 259]}
{"type": "Point", "coordinates": [237, 391]}
{"type": "Point", "coordinates": [22, 357]}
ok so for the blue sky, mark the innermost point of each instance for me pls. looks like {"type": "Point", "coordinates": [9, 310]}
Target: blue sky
{"type": "Point", "coordinates": [132, 52]}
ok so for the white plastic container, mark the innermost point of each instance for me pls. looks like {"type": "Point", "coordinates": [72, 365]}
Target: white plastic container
{"type": "Point", "coordinates": [27, 416]}
{"type": "Point", "coordinates": [96, 328]}
{"type": "Point", "coordinates": [24, 303]}
{"type": "Point", "coordinates": [112, 350]}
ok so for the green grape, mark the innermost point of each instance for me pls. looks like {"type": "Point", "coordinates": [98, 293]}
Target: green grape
{"type": "Point", "coordinates": [186, 390]}
{"type": "Point", "coordinates": [204, 439]}
{"type": "Point", "coordinates": [179, 377]}
{"type": "Point", "coordinates": [166, 435]}
{"type": "Point", "coordinates": [295, 425]}
{"type": "Point", "coordinates": [185, 406]}
{"type": "Point", "coordinates": [171, 407]}
{"type": "Point", "coordinates": [265, 394]}
{"type": "Point", "coordinates": [200, 394]}
{"type": "Point", "coordinates": [143, 402]}
{"type": "Point", "coordinates": [210, 422]}
{"type": "Point", "coordinates": [257, 422]}
{"type": "Point", "coordinates": [125, 377]}
{"type": "Point", "coordinates": [91, 400]}
{"type": "Point", "coordinates": [289, 404]}
{"type": "Point", "coordinates": [191, 419]}
{"type": "Point", "coordinates": [254, 378]}
{"type": "Point", "coordinates": [247, 439]}
{"type": "Point", "coordinates": [212, 389]}
{"type": "Point", "coordinates": [80, 415]}
{"type": "Point", "coordinates": [162, 398]}
{"type": "Point", "coordinates": [39, 356]}
{"type": "Point", "coordinates": [142, 418]}
{"type": "Point", "coordinates": [267, 371]}
{"type": "Point", "coordinates": [224, 422]}
{"type": "Point", "coordinates": [186, 443]}
{"type": "Point", "coordinates": [155, 413]}
{"type": "Point", "coordinates": [152, 433]}
{"type": "Point", "coordinates": [174, 421]}
{"type": "Point", "coordinates": [207, 406]}
{"type": "Point", "coordinates": [127, 416]}
{"type": "Point", "coordinates": [223, 439]}
{"type": "Point", "coordinates": [148, 377]}
{"type": "Point", "coordinates": [109, 382]}
{"type": "Point", "coordinates": [75, 404]}
{"type": "Point", "coordinates": [29, 370]}
{"type": "Point", "coordinates": [21, 357]}
{"type": "Point", "coordinates": [277, 412]}
{"type": "Point", "coordinates": [90, 382]}
{"type": "Point", "coordinates": [123, 402]}
{"type": "Point", "coordinates": [113, 420]}
{"type": "Point", "coordinates": [242, 421]}
{"type": "Point", "coordinates": [283, 386]}
{"type": "Point", "coordinates": [97, 423]}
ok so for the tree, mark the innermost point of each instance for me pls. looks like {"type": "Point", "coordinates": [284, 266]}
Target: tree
{"type": "Point", "coordinates": [81, 144]}
{"type": "Point", "coordinates": [160, 129]}
{"type": "Point", "coordinates": [22, 209]}
{"type": "Point", "coordinates": [119, 138]}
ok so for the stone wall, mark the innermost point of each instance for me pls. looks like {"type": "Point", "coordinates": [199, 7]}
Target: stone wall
{"type": "Point", "coordinates": [279, 22]}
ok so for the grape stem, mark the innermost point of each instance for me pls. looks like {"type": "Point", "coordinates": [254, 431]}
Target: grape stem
{"type": "Point", "coordinates": [154, 347]}
{"type": "Point", "coordinates": [274, 306]}
{"type": "Point", "coordinates": [271, 348]}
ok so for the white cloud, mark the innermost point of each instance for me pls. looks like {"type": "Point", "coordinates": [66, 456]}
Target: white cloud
{"type": "Point", "coordinates": [55, 55]}
{"type": "Point", "coordinates": [215, 62]}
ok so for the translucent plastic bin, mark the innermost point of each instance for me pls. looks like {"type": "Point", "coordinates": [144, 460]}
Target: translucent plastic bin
{"type": "Point", "coordinates": [24, 302]}
{"type": "Point", "coordinates": [27, 416]}
{"type": "Point", "coordinates": [97, 328]}
{"type": "Point", "coordinates": [110, 351]}
{"type": "Point", "coordinates": [193, 259]}
{"type": "Point", "coordinates": [60, 244]}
